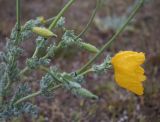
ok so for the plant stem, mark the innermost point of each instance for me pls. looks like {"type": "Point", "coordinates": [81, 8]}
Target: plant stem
{"type": "Point", "coordinates": [23, 71]}
{"type": "Point", "coordinates": [48, 21]}
{"type": "Point", "coordinates": [18, 16]}
{"type": "Point", "coordinates": [36, 94]}
{"type": "Point", "coordinates": [8, 84]}
{"type": "Point", "coordinates": [26, 68]}
{"type": "Point", "coordinates": [90, 20]}
{"type": "Point", "coordinates": [86, 71]}
{"type": "Point", "coordinates": [18, 20]}
{"type": "Point", "coordinates": [119, 31]}
{"type": "Point", "coordinates": [35, 52]}
{"type": "Point", "coordinates": [28, 97]}
{"type": "Point", "coordinates": [52, 74]}
{"type": "Point", "coordinates": [57, 49]}
{"type": "Point", "coordinates": [60, 14]}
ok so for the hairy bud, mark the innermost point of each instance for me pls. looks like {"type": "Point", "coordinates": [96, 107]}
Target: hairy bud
{"type": "Point", "coordinates": [43, 32]}
{"type": "Point", "coordinates": [89, 47]}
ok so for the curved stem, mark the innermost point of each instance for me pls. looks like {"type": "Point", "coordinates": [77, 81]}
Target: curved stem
{"type": "Point", "coordinates": [119, 31]}
{"type": "Point", "coordinates": [90, 20]}
{"type": "Point", "coordinates": [35, 52]}
{"type": "Point", "coordinates": [53, 24]}
{"type": "Point", "coordinates": [23, 71]}
{"type": "Point", "coordinates": [86, 71]}
{"type": "Point", "coordinates": [27, 97]}
{"type": "Point", "coordinates": [8, 84]}
{"type": "Point", "coordinates": [26, 68]}
{"type": "Point", "coordinates": [35, 94]}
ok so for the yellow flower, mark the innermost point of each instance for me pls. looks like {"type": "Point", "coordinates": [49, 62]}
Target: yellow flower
{"type": "Point", "coordinates": [128, 71]}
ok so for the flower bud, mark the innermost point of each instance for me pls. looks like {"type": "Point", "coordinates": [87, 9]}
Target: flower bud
{"type": "Point", "coordinates": [43, 32]}
{"type": "Point", "coordinates": [41, 19]}
{"type": "Point", "coordinates": [89, 47]}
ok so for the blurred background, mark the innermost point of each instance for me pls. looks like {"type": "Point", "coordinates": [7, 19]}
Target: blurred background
{"type": "Point", "coordinates": [115, 104]}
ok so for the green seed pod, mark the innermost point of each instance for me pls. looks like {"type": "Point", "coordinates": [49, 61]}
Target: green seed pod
{"type": "Point", "coordinates": [89, 47]}
{"type": "Point", "coordinates": [43, 32]}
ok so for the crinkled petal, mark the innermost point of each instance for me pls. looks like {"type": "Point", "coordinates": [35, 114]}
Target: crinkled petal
{"type": "Point", "coordinates": [135, 87]}
{"type": "Point", "coordinates": [129, 57]}
{"type": "Point", "coordinates": [128, 72]}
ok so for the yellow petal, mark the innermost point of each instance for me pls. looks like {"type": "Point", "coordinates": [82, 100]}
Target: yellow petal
{"type": "Point", "coordinates": [128, 72]}
{"type": "Point", "coordinates": [136, 88]}
{"type": "Point", "coordinates": [129, 57]}
{"type": "Point", "coordinates": [132, 86]}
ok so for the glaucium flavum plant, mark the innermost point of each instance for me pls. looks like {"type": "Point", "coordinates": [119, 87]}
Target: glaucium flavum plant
{"type": "Point", "coordinates": [15, 95]}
